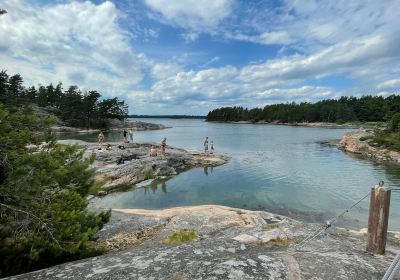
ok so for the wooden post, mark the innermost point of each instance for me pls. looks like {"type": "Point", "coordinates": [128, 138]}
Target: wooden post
{"type": "Point", "coordinates": [378, 219]}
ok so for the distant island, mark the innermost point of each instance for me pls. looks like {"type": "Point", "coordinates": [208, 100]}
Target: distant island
{"type": "Point", "coordinates": [345, 109]}
{"type": "Point", "coordinates": [166, 117]}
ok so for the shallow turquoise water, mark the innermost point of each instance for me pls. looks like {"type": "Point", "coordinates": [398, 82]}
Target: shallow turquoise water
{"type": "Point", "coordinates": [276, 168]}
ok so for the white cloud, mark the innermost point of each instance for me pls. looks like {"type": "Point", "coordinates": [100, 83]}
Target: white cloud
{"type": "Point", "coordinates": [190, 36]}
{"type": "Point", "coordinates": [390, 84]}
{"type": "Point", "coordinates": [164, 70]}
{"type": "Point", "coordinates": [305, 25]}
{"type": "Point", "coordinates": [77, 42]}
{"type": "Point", "coordinates": [314, 24]}
{"type": "Point", "coordinates": [266, 38]}
{"type": "Point", "coordinates": [192, 14]}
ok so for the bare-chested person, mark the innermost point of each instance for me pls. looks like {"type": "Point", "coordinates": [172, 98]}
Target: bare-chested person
{"type": "Point", "coordinates": [153, 151]}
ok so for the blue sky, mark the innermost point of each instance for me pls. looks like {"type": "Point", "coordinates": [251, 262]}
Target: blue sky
{"type": "Point", "coordinates": [190, 56]}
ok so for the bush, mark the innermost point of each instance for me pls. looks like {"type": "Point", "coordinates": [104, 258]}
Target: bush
{"type": "Point", "coordinates": [394, 124]}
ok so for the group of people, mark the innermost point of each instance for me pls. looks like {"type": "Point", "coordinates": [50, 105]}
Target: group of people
{"type": "Point", "coordinates": [206, 146]}
{"type": "Point", "coordinates": [100, 139]}
{"type": "Point", "coordinates": [126, 135]}
{"type": "Point", "coordinates": [153, 149]}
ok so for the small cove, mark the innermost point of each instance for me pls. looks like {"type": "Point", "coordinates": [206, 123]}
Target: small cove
{"type": "Point", "coordinates": [276, 168]}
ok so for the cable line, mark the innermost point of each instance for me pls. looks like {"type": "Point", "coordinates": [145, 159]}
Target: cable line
{"type": "Point", "coordinates": [329, 224]}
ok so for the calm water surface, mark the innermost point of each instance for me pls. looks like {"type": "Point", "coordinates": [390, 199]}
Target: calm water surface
{"type": "Point", "coordinates": [276, 168]}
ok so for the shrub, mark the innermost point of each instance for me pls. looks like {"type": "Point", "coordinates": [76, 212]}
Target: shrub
{"type": "Point", "coordinates": [394, 124]}
{"type": "Point", "coordinates": [181, 236]}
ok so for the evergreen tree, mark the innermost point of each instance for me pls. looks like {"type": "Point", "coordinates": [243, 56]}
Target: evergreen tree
{"type": "Point", "coordinates": [90, 106]}
{"type": "Point", "coordinates": [43, 214]}
{"type": "Point", "coordinates": [15, 88]}
{"type": "Point", "coordinates": [3, 85]}
{"type": "Point", "coordinates": [42, 97]}
{"type": "Point", "coordinates": [31, 94]}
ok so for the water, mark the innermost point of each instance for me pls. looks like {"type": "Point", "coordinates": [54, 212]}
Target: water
{"type": "Point", "coordinates": [275, 168]}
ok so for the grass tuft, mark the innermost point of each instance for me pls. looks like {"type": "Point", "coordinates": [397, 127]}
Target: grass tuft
{"type": "Point", "coordinates": [181, 236]}
{"type": "Point", "coordinates": [148, 174]}
{"type": "Point", "coordinates": [268, 227]}
{"type": "Point", "coordinates": [278, 242]}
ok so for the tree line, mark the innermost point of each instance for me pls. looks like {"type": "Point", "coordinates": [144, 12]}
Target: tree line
{"type": "Point", "coordinates": [74, 107]}
{"type": "Point", "coordinates": [345, 109]}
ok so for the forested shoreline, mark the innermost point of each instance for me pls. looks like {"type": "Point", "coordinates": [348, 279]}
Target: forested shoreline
{"type": "Point", "coordinates": [74, 107]}
{"type": "Point", "coordinates": [345, 109]}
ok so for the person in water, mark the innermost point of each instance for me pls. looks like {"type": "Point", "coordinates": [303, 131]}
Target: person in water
{"type": "Point", "coordinates": [163, 145]}
{"type": "Point", "coordinates": [100, 138]}
{"type": "Point", "coordinates": [153, 151]}
{"type": "Point", "coordinates": [206, 146]}
{"type": "Point", "coordinates": [212, 147]}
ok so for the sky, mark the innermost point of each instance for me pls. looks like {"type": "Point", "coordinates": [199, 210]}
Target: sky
{"type": "Point", "coordinates": [192, 56]}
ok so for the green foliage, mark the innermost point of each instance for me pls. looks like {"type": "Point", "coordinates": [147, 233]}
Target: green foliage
{"type": "Point", "coordinates": [388, 138]}
{"type": "Point", "coordinates": [96, 187]}
{"type": "Point", "coordinates": [44, 218]}
{"type": "Point", "coordinates": [181, 236]}
{"type": "Point", "coordinates": [345, 109]}
{"type": "Point", "coordinates": [76, 108]}
{"type": "Point", "coordinates": [394, 124]}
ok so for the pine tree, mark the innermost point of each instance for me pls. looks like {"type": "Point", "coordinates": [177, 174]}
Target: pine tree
{"type": "Point", "coordinates": [43, 214]}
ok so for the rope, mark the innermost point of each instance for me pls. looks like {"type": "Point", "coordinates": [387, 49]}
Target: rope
{"type": "Point", "coordinates": [327, 225]}
{"type": "Point", "coordinates": [394, 266]}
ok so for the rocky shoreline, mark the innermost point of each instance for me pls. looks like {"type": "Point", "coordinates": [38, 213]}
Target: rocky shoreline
{"type": "Point", "coordinates": [115, 126]}
{"type": "Point", "coordinates": [305, 124]}
{"type": "Point", "coordinates": [138, 166]}
{"type": "Point", "coordinates": [358, 143]}
{"type": "Point", "coordinates": [226, 243]}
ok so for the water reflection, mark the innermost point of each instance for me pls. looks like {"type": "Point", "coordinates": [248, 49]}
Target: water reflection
{"type": "Point", "coordinates": [156, 185]}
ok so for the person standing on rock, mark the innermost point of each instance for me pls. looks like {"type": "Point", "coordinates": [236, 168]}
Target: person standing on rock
{"type": "Point", "coordinates": [206, 146]}
{"type": "Point", "coordinates": [212, 147]}
{"type": "Point", "coordinates": [100, 138]}
{"type": "Point", "coordinates": [125, 134]}
{"type": "Point", "coordinates": [131, 134]}
{"type": "Point", "coordinates": [163, 145]}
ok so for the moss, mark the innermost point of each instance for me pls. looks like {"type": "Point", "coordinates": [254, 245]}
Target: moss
{"type": "Point", "coordinates": [181, 236]}
{"type": "Point", "coordinates": [268, 227]}
{"type": "Point", "coordinates": [179, 277]}
{"type": "Point", "coordinates": [278, 242]}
